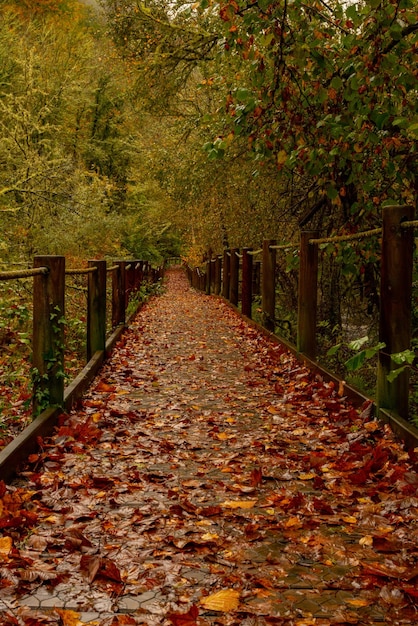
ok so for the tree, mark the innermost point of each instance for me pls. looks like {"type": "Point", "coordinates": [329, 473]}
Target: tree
{"type": "Point", "coordinates": [328, 92]}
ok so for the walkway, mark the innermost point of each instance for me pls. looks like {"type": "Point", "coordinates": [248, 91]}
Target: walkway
{"type": "Point", "coordinates": [208, 478]}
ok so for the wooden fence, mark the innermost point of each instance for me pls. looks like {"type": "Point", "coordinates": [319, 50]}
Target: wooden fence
{"type": "Point", "coordinates": [223, 274]}
{"type": "Point", "coordinates": [48, 327]}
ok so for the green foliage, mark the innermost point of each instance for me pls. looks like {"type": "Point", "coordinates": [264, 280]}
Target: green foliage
{"type": "Point", "coordinates": [143, 294]}
{"type": "Point", "coordinates": [362, 355]}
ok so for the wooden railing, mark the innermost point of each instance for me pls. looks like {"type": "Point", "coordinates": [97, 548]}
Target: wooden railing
{"type": "Point", "coordinates": [48, 327]}
{"type": "Point", "coordinates": [50, 395]}
{"type": "Point", "coordinates": [223, 274]}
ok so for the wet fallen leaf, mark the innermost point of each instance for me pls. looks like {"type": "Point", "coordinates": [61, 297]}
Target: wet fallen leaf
{"type": "Point", "coordinates": [224, 601]}
{"type": "Point", "coordinates": [239, 504]}
{"type": "Point", "coordinates": [6, 544]}
{"type": "Point", "coordinates": [69, 618]}
{"type": "Point", "coordinates": [185, 619]}
{"type": "Point", "coordinates": [358, 602]}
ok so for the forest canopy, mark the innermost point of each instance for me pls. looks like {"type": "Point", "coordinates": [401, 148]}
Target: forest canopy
{"type": "Point", "coordinates": [159, 128]}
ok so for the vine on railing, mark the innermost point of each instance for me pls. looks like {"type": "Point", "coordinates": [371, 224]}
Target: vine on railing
{"type": "Point", "coordinates": [225, 272]}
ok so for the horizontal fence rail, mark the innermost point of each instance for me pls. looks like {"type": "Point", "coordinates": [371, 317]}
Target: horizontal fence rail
{"type": "Point", "coordinates": [222, 275]}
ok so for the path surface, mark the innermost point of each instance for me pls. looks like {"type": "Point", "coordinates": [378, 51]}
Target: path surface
{"type": "Point", "coordinates": [208, 478]}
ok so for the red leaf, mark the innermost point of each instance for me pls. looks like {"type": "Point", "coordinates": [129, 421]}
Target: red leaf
{"type": "Point", "coordinates": [109, 570]}
{"type": "Point", "coordinates": [185, 619]}
{"type": "Point", "coordinates": [278, 388]}
{"type": "Point", "coordinates": [210, 511]}
{"type": "Point", "coordinates": [256, 477]}
{"type": "Point", "coordinates": [411, 591]}
{"type": "Point", "coordinates": [3, 488]}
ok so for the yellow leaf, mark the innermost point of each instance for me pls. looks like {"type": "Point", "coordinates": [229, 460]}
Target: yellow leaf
{"type": "Point", "coordinates": [238, 504]}
{"type": "Point", "coordinates": [69, 618]}
{"type": "Point", "coordinates": [367, 540]}
{"type": "Point", "coordinates": [222, 436]}
{"type": "Point", "coordinates": [307, 476]}
{"type": "Point", "coordinates": [358, 602]}
{"type": "Point", "coordinates": [371, 427]}
{"type": "Point", "coordinates": [6, 544]}
{"type": "Point", "coordinates": [292, 521]}
{"type": "Point", "coordinates": [281, 157]}
{"type": "Point", "coordinates": [225, 601]}
{"type": "Point", "coordinates": [210, 536]}
{"type": "Point", "coordinates": [349, 519]}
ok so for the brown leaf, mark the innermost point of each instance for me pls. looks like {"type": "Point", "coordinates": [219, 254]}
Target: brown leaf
{"type": "Point", "coordinates": [90, 565]}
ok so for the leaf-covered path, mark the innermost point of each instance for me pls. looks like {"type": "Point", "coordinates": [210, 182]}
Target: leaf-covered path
{"type": "Point", "coordinates": [209, 478]}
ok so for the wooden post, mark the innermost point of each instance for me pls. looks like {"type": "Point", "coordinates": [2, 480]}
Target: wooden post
{"type": "Point", "coordinates": [48, 333]}
{"type": "Point", "coordinates": [138, 266]}
{"type": "Point", "coordinates": [212, 274]}
{"type": "Point", "coordinates": [234, 277]}
{"type": "Point", "coordinates": [268, 287]}
{"type": "Point", "coordinates": [118, 294]}
{"type": "Point", "coordinates": [129, 280]}
{"type": "Point", "coordinates": [218, 275]}
{"type": "Point", "coordinates": [96, 308]}
{"type": "Point", "coordinates": [256, 278]}
{"type": "Point", "coordinates": [247, 282]}
{"type": "Point", "coordinates": [226, 274]}
{"type": "Point", "coordinates": [307, 294]}
{"type": "Point", "coordinates": [395, 307]}
{"type": "Point", "coordinates": [208, 277]}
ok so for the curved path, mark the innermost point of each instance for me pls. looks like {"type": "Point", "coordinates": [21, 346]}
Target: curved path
{"type": "Point", "coordinates": [208, 478]}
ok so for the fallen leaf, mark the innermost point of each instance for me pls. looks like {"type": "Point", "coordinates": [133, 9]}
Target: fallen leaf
{"type": "Point", "coordinates": [358, 601]}
{"type": "Point", "coordinates": [224, 601]}
{"type": "Point", "coordinates": [239, 504]}
{"type": "Point", "coordinates": [185, 619]}
{"type": "Point", "coordinates": [69, 618]}
{"type": "Point", "coordinates": [6, 544]}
